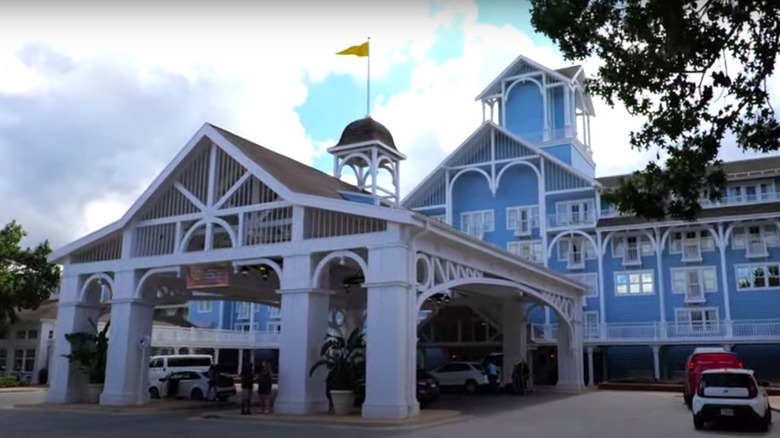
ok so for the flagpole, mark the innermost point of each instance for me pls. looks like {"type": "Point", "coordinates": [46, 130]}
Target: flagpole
{"type": "Point", "coordinates": [368, 80]}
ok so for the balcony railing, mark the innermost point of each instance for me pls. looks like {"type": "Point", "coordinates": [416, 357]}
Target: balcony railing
{"type": "Point", "coordinates": [643, 332]}
{"type": "Point", "coordinates": [564, 220]}
{"type": "Point", "coordinates": [168, 336]}
{"type": "Point", "coordinates": [726, 201]}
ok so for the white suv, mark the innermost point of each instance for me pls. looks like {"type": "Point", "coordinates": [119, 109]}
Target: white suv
{"type": "Point", "coordinates": [730, 393]}
{"type": "Point", "coordinates": [468, 375]}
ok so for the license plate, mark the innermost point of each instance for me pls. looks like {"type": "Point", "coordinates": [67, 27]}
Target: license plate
{"type": "Point", "coordinates": [727, 412]}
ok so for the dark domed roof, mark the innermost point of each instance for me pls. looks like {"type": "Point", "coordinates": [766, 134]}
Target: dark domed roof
{"type": "Point", "coordinates": [365, 130]}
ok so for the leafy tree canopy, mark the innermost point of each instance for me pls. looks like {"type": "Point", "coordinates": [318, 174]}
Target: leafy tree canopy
{"type": "Point", "coordinates": [695, 70]}
{"type": "Point", "coordinates": [26, 277]}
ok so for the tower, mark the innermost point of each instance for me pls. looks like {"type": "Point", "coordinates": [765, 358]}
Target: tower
{"type": "Point", "coordinates": [367, 147]}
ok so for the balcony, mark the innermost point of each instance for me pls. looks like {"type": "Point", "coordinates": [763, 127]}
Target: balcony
{"type": "Point", "coordinates": [571, 220]}
{"type": "Point", "coordinates": [164, 336]}
{"type": "Point", "coordinates": [695, 294]}
{"type": "Point", "coordinates": [632, 256]}
{"type": "Point", "coordinates": [642, 333]}
{"type": "Point", "coordinates": [726, 201]}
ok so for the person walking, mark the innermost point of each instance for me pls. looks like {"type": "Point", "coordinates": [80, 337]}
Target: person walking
{"type": "Point", "coordinates": [492, 373]}
{"type": "Point", "coordinates": [264, 386]}
{"type": "Point", "coordinates": [247, 382]}
{"type": "Point", "coordinates": [213, 376]}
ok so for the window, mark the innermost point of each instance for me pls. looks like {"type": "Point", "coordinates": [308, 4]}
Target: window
{"type": "Point", "coordinates": [21, 334]}
{"type": "Point", "coordinates": [156, 363]}
{"type": "Point", "coordinates": [694, 282]}
{"type": "Point", "coordinates": [750, 192]}
{"type": "Point", "coordinates": [204, 306]}
{"type": "Point", "coordinates": [694, 242]}
{"type": "Point", "coordinates": [3, 362]}
{"type": "Point", "coordinates": [756, 247]}
{"type": "Point", "coordinates": [634, 283]}
{"type": "Point", "coordinates": [274, 327]}
{"type": "Point", "coordinates": [755, 239]}
{"type": "Point", "coordinates": [631, 248]}
{"type": "Point", "coordinates": [574, 251]}
{"type": "Point", "coordinates": [763, 276]}
{"type": "Point", "coordinates": [574, 213]}
{"type": "Point", "coordinates": [691, 247]}
{"type": "Point", "coordinates": [532, 250]}
{"type": "Point", "coordinates": [242, 311]}
{"type": "Point", "coordinates": [32, 334]}
{"type": "Point", "coordinates": [24, 361]}
{"type": "Point", "coordinates": [274, 312]}
{"type": "Point", "coordinates": [522, 219]}
{"type": "Point", "coordinates": [189, 362]}
{"type": "Point", "coordinates": [591, 280]}
{"type": "Point", "coordinates": [696, 320]}
{"type": "Point", "coordinates": [476, 223]}
{"type": "Point", "coordinates": [591, 323]}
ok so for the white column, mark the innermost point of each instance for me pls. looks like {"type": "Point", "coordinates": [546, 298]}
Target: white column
{"type": "Point", "coordinates": [389, 341]}
{"type": "Point", "coordinates": [591, 379]}
{"type": "Point", "coordinates": [721, 242]}
{"type": "Point", "coordinates": [66, 384]}
{"type": "Point", "coordinates": [240, 360]}
{"type": "Point", "coordinates": [305, 314]}
{"type": "Point", "coordinates": [216, 355]}
{"type": "Point", "coordinates": [656, 362]}
{"type": "Point", "coordinates": [515, 344]}
{"type": "Point", "coordinates": [570, 364]}
{"type": "Point", "coordinates": [127, 370]}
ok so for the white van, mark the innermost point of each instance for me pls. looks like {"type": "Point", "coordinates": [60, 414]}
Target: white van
{"type": "Point", "coordinates": [162, 366]}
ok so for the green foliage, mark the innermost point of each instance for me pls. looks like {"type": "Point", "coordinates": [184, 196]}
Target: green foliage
{"type": "Point", "coordinates": [695, 70]}
{"type": "Point", "coordinates": [90, 352]}
{"type": "Point", "coordinates": [10, 382]}
{"type": "Point", "coordinates": [26, 277]}
{"type": "Point", "coordinates": [345, 360]}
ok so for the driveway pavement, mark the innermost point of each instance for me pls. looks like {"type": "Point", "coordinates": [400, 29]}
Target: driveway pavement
{"type": "Point", "coordinates": [598, 414]}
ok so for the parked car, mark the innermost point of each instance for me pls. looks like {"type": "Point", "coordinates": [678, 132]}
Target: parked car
{"type": "Point", "coordinates": [193, 385]}
{"type": "Point", "coordinates": [731, 393]}
{"type": "Point", "coordinates": [471, 376]}
{"type": "Point", "coordinates": [162, 366]}
{"type": "Point", "coordinates": [702, 359]}
{"type": "Point", "coordinates": [428, 389]}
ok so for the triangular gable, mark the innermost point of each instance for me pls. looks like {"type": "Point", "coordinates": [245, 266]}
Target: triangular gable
{"type": "Point", "coordinates": [472, 149]}
{"type": "Point", "coordinates": [520, 65]}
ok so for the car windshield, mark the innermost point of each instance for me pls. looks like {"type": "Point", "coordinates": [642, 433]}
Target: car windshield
{"type": "Point", "coordinates": [726, 380]}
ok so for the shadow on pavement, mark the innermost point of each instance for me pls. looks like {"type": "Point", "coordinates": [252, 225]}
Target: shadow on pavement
{"type": "Point", "coordinates": [492, 404]}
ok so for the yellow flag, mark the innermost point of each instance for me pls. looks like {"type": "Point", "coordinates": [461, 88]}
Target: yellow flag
{"type": "Point", "coordinates": [361, 50]}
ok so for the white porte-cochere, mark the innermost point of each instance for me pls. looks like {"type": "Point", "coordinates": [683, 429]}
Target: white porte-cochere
{"type": "Point", "coordinates": [259, 227]}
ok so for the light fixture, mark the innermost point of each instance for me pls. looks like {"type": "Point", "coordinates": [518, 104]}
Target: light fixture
{"type": "Point", "coordinates": [244, 271]}
{"type": "Point", "coordinates": [447, 299]}
{"type": "Point", "coordinates": [263, 272]}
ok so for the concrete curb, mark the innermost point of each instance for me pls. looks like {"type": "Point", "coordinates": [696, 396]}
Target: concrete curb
{"type": "Point", "coordinates": [118, 410]}
{"type": "Point", "coordinates": [23, 389]}
{"type": "Point", "coordinates": [427, 418]}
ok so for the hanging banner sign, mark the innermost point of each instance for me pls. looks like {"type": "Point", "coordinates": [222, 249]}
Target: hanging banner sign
{"type": "Point", "coordinates": [207, 276]}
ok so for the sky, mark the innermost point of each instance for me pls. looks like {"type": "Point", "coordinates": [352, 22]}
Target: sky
{"type": "Point", "coordinates": [96, 98]}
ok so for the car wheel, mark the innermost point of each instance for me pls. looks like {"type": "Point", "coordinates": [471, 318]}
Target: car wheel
{"type": "Point", "coordinates": [698, 423]}
{"type": "Point", "coordinates": [154, 393]}
{"type": "Point", "coordinates": [222, 397]}
{"type": "Point", "coordinates": [196, 394]}
{"type": "Point", "coordinates": [471, 387]}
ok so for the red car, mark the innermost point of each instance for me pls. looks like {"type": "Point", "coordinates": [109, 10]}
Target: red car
{"type": "Point", "coordinates": [703, 359]}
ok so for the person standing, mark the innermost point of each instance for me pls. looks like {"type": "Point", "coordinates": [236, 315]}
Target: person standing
{"type": "Point", "coordinates": [492, 373]}
{"type": "Point", "coordinates": [264, 386]}
{"type": "Point", "coordinates": [247, 382]}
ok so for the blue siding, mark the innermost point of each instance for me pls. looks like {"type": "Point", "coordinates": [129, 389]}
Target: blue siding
{"type": "Point", "coordinates": [524, 111]}
{"type": "Point", "coordinates": [562, 152]}
{"type": "Point", "coordinates": [204, 319]}
{"type": "Point", "coordinates": [579, 162]}
{"type": "Point", "coordinates": [557, 122]}
{"type": "Point", "coordinates": [470, 192]}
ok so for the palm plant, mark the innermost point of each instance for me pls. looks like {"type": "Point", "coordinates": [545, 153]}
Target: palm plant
{"type": "Point", "coordinates": [344, 359]}
{"type": "Point", "coordinates": [90, 351]}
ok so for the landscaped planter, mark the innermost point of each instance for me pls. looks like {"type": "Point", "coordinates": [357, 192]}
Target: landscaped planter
{"type": "Point", "coordinates": [343, 401]}
{"type": "Point", "coordinates": [93, 392]}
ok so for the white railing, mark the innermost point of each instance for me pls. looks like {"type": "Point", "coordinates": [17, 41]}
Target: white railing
{"type": "Point", "coordinates": [726, 201]}
{"type": "Point", "coordinates": [580, 219]}
{"type": "Point", "coordinates": [198, 337]}
{"type": "Point", "coordinates": [642, 332]}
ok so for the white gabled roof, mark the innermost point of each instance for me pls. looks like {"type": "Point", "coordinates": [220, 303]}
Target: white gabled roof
{"type": "Point", "coordinates": [520, 59]}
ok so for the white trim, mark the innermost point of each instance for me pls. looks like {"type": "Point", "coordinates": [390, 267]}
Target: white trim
{"type": "Point", "coordinates": [500, 78]}
{"type": "Point", "coordinates": [430, 207]}
{"type": "Point", "coordinates": [753, 266]}
{"type": "Point", "coordinates": [202, 308]}
{"type": "Point", "coordinates": [535, 248]}
{"type": "Point", "coordinates": [532, 219]}
{"type": "Point", "coordinates": [628, 274]}
{"type": "Point", "coordinates": [581, 277]}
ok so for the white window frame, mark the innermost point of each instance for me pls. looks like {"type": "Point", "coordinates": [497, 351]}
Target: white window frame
{"type": "Point", "coordinates": [769, 234]}
{"type": "Point", "coordinates": [241, 326]}
{"type": "Point", "coordinates": [683, 325]}
{"type": "Point", "coordinates": [27, 354]}
{"type": "Point", "coordinates": [619, 248]}
{"type": "Point", "coordinates": [755, 244]}
{"type": "Point", "coordinates": [640, 285]}
{"type": "Point", "coordinates": [751, 269]}
{"type": "Point", "coordinates": [242, 310]}
{"type": "Point", "coordinates": [682, 286]}
{"type": "Point", "coordinates": [522, 226]}
{"type": "Point", "coordinates": [589, 278]}
{"type": "Point", "coordinates": [273, 326]}
{"type": "Point", "coordinates": [476, 223]}
{"type": "Point", "coordinates": [533, 247]}
{"type": "Point", "coordinates": [565, 254]}
{"type": "Point", "coordinates": [691, 246]}
{"type": "Point", "coordinates": [737, 193]}
{"type": "Point", "coordinates": [591, 328]}
{"type": "Point", "coordinates": [274, 312]}
{"type": "Point", "coordinates": [205, 306]}
{"type": "Point", "coordinates": [566, 216]}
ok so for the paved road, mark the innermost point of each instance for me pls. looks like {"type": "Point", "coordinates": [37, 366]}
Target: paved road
{"type": "Point", "coordinates": [592, 415]}
{"type": "Point", "coordinates": [9, 399]}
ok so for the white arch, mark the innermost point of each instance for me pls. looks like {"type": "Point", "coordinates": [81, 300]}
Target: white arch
{"type": "Point", "coordinates": [689, 227]}
{"type": "Point", "coordinates": [571, 233]}
{"type": "Point", "coordinates": [346, 159]}
{"type": "Point", "coordinates": [494, 282]}
{"type": "Point", "coordinates": [522, 81]}
{"type": "Point", "coordinates": [165, 270]}
{"type": "Point", "coordinates": [205, 221]}
{"type": "Point", "coordinates": [471, 169]}
{"type": "Point", "coordinates": [730, 229]}
{"type": "Point", "coordinates": [497, 183]}
{"type": "Point", "coordinates": [337, 255]}
{"type": "Point", "coordinates": [608, 238]}
{"type": "Point", "coordinates": [99, 276]}
{"type": "Point", "coordinates": [260, 261]}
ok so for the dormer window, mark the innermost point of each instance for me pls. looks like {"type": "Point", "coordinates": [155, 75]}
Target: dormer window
{"type": "Point", "coordinates": [691, 247]}
{"type": "Point", "coordinates": [756, 246]}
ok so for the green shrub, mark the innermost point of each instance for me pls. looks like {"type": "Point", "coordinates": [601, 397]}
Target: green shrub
{"type": "Point", "coordinates": [10, 382]}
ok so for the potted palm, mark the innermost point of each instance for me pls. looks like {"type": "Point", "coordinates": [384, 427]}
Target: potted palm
{"type": "Point", "coordinates": [344, 359]}
{"type": "Point", "coordinates": [90, 351]}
